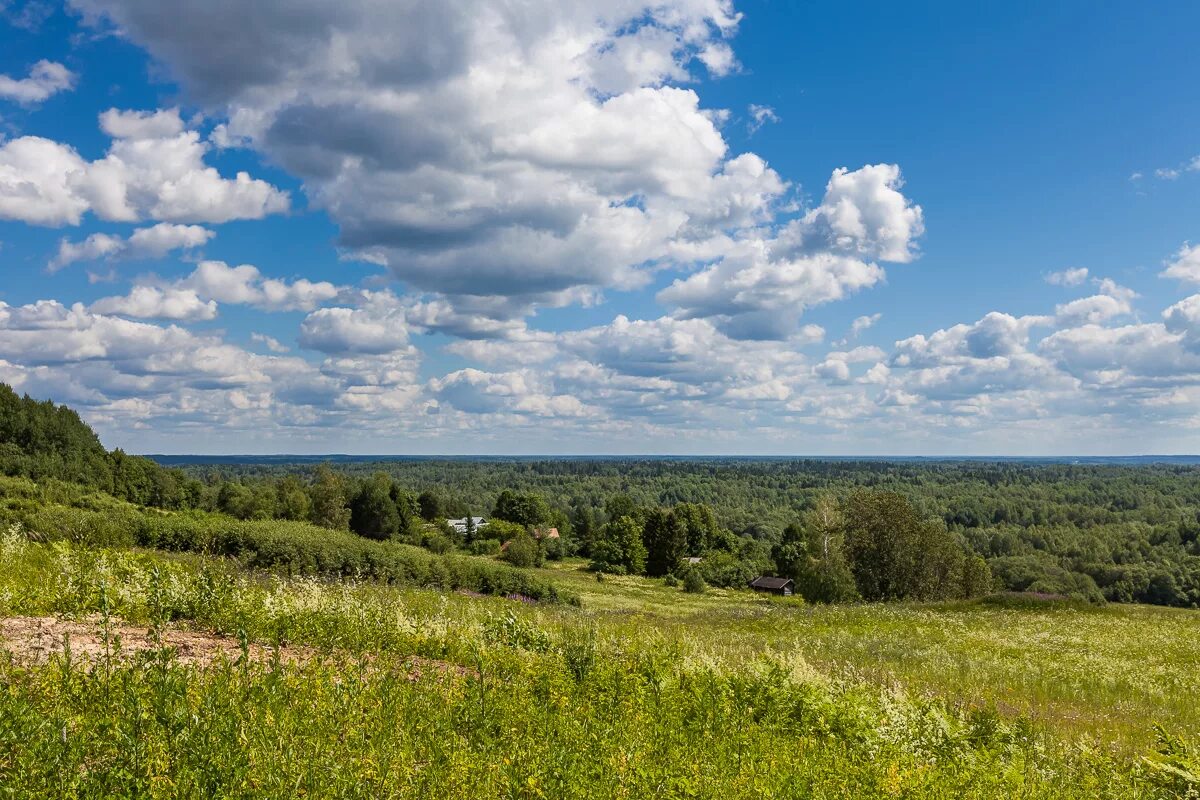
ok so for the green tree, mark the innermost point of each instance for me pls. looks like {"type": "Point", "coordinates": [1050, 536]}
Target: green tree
{"type": "Point", "coordinates": [523, 508]}
{"type": "Point", "coordinates": [329, 500]}
{"type": "Point", "coordinates": [523, 551]}
{"type": "Point", "coordinates": [895, 554]}
{"type": "Point", "coordinates": [372, 511]}
{"type": "Point", "coordinates": [431, 506]}
{"type": "Point", "coordinates": [700, 523]}
{"type": "Point", "coordinates": [693, 582]}
{"type": "Point", "coordinates": [620, 505]}
{"type": "Point", "coordinates": [620, 548]}
{"type": "Point", "coordinates": [665, 537]}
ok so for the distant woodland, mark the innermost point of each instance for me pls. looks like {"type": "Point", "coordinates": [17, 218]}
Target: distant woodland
{"type": "Point", "coordinates": [844, 530]}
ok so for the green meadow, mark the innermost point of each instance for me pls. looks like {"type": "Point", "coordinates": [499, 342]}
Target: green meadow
{"type": "Point", "coordinates": [291, 687]}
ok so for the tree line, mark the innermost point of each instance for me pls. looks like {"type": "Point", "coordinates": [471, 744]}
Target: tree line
{"type": "Point", "coordinates": [1117, 533]}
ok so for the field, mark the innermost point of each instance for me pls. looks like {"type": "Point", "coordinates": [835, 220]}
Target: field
{"type": "Point", "coordinates": [184, 675]}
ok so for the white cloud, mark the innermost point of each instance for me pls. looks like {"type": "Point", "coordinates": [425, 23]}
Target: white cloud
{"type": "Point", "coordinates": [762, 285]}
{"type": "Point", "coordinates": [478, 149]}
{"type": "Point", "coordinates": [154, 169]}
{"type": "Point", "coordinates": [144, 243]}
{"type": "Point", "coordinates": [244, 284]}
{"type": "Point", "coordinates": [1074, 276]}
{"type": "Point", "coordinates": [477, 392]}
{"type": "Point", "coordinates": [759, 116]}
{"type": "Point", "coordinates": [1112, 301]}
{"type": "Point", "coordinates": [46, 79]}
{"type": "Point", "coordinates": [1185, 265]}
{"type": "Point", "coordinates": [1183, 319]}
{"type": "Point", "coordinates": [154, 303]}
{"type": "Point", "coordinates": [270, 342]}
{"type": "Point", "coordinates": [354, 330]}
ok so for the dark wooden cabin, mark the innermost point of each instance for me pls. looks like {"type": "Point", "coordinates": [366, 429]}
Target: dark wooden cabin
{"type": "Point", "coordinates": [784, 587]}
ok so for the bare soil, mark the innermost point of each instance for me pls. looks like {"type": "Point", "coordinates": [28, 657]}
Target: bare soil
{"type": "Point", "coordinates": [34, 641]}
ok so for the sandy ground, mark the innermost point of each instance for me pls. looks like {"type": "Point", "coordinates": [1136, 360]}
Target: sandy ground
{"type": "Point", "coordinates": [34, 640]}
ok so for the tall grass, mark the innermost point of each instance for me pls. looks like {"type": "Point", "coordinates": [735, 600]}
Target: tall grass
{"type": "Point", "coordinates": [522, 701]}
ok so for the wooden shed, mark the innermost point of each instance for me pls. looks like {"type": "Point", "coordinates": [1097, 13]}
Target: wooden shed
{"type": "Point", "coordinates": [785, 587]}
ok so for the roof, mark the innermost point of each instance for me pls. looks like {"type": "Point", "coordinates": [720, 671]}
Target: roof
{"type": "Point", "coordinates": [546, 533]}
{"type": "Point", "coordinates": [764, 582]}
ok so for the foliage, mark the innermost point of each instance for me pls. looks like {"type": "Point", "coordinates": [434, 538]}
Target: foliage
{"type": "Point", "coordinates": [352, 689]}
{"type": "Point", "coordinates": [665, 537]}
{"type": "Point", "coordinates": [619, 548]}
{"type": "Point", "coordinates": [373, 510]}
{"type": "Point", "coordinates": [693, 582]}
{"type": "Point", "coordinates": [522, 508]}
{"type": "Point", "coordinates": [523, 551]}
{"type": "Point", "coordinates": [894, 554]}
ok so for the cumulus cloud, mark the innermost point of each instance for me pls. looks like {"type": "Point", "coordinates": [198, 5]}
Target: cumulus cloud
{"type": "Point", "coordinates": [144, 243]}
{"type": "Point", "coordinates": [1185, 265]}
{"type": "Point", "coordinates": [154, 169]}
{"type": "Point", "coordinates": [373, 329]}
{"type": "Point", "coordinates": [1112, 301]}
{"type": "Point", "coordinates": [1074, 276]}
{"type": "Point", "coordinates": [152, 302]}
{"type": "Point", "coordinates": [128, 372]}
{"type": "Point", "coordinates": [478, 149]}
{"type": "Point", "coordinates": [46, 79]}
{"type": "Point", "coordinates": [270, 342]}
{"type": "Point", "coordinates": [244, 284]}
{"type": "Point", "coordinates": [478, 392]}
{"type": "Point", "coordinates": [763, 284]}
{"type": "Point", "coordinates": [1183, 319]}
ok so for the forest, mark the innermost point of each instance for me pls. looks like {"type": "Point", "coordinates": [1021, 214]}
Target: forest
{"type": "Point", "coordinates": [323, 629]}
{"type": "Point", "coordinates": [844, 530]}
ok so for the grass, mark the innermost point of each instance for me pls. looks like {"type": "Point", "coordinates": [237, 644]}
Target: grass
{"type": "Point", "coordinates": [645, 690]}
{"type": "Point", "coordinates": [1104, 673]}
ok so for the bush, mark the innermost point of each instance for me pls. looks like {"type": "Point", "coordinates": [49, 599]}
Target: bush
{"type": "Point", "coordinates": [437, 542]}
{"type": "Point", "coordinates": [693, 582]}
{"type": "Point", "coordinates": [523, 551]}
{"type": "Point", "coordinates": [485, 547]}
{"type": "Point", "coordinates": [719, 568]}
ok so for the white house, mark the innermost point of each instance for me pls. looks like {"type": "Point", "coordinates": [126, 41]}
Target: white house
{"type": "Point", "coordinates": [460, 525]}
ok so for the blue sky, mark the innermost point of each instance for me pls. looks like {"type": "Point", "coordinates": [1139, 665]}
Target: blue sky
{"type": "Point", "coordinates": [693, 227]}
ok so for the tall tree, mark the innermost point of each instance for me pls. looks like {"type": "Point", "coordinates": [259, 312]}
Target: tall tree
{"type": "Point", "coordinates": [524, 508]}
{"type": "Point", "coordinates": [665, 537]}
{"type": "Point", "coordinates": [329, 501]}
{"type": "Point", "coordinates": [372, 511]}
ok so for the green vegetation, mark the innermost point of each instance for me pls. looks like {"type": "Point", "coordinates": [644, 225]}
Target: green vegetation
{"type": "Point", "coordinates": [1121, 534]}
{"type": "Point", "coordinates": [325, 632]}
{"type": "Point", "coordinates": [369, 690]}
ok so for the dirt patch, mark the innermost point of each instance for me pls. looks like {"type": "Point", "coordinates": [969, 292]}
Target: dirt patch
{"type": "Point", "coordinates": [35, 640]}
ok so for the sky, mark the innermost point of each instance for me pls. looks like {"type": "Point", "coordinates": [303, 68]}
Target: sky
{"type": "Point", "coordinates": [583, 227]}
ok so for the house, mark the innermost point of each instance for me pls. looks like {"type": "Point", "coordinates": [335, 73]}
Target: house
{"type": "Point", "coordinates": [785, 587]}
{"type": "Point", "coordinates": [545, 533]}
{"type": "Point", "coordinates": [460, 525]}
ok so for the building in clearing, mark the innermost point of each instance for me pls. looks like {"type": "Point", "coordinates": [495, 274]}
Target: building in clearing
{"type": "Point", "coordinates": [785, 587]}
{"type": "Point", "coordinates": [460, 525]}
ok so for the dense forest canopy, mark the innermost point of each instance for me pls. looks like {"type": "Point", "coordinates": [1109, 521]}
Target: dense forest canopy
{"type": "Point", "coordinates": [1126, 533]}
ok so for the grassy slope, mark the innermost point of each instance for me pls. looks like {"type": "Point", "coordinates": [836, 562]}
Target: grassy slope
{"type": "Point", "coordinates": [1102, 672]}
{"type": "Point", "coordinates": [644, 690]}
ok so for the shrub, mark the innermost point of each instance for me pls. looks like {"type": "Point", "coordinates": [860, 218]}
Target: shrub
{"type": "Point", "coordinates": [523, 551]}
{"type": "Point", "coordinates": [485, 547]}
{"type": "Point", "coordinates": [693, 582]}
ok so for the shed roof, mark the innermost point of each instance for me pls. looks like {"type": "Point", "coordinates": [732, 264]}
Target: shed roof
{"type": "Point", "coordinates": [765, 582]}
